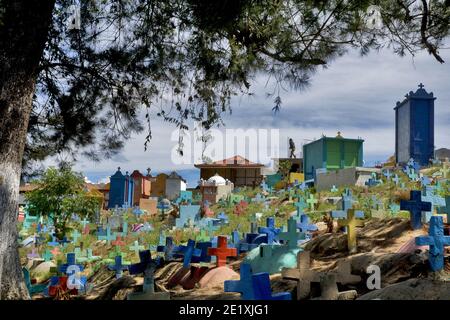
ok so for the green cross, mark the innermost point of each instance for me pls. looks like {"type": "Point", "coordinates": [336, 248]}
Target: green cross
{"type": "Point", "coordinates": [203, 236]}
{"type": "Point", "coordinates": [291, 236]}
{"type": "Point", "coordinates": [311, 201]}
{"type": "Point", "coordinates": [136, 247]}
{"type": "Point", "coordinates": [90, 256]}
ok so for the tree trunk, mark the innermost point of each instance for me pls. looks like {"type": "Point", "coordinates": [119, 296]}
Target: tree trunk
{"type": "Point", "coordinates": [24, 28]}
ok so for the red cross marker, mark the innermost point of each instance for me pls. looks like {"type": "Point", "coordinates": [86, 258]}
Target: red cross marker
{"type": "Point", "coordinates": [222, 251]}
{"type": "Point", "coordinates": [118, 242]}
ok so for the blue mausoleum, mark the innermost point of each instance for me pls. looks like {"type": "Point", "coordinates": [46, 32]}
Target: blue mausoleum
{"type": "Point", "coordinates": [121, 190]}
{"type": "Point", "coordinates": [414, 127]}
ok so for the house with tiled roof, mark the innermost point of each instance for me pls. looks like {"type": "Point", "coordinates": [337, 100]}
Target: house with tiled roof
{"type": "Point", "coordinates": [237, 169]}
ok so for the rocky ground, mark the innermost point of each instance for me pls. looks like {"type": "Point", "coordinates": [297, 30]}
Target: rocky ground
{"type": "Point", "coordinates": [388, 243]}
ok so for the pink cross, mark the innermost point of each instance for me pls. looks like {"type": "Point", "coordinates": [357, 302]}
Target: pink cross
{"type": "Point", "coordinates": [55, 252]}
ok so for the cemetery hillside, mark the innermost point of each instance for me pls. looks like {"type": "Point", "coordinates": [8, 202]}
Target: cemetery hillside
{"type": "Point", "coordinates": [349, 201]}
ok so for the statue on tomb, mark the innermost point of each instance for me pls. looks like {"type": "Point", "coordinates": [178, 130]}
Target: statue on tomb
{"type": "Point", "coordinates": [292, 148]}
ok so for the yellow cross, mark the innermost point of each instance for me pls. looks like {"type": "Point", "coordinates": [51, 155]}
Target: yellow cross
{"type": "Point", "coordinates": [351, 223]}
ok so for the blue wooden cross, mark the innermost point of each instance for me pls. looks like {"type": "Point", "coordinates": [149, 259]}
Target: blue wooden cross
{"type": "Point", "coordinates": [436, 201]}
{"type": "Point", "coordinates": [347, 202]}
{"type": "Point", "coordinates": [415, 206]}
{"type": "Point", "coordinates": [71, 261]}
{"type": "Point", "coordinates": [291, 237]}
{"type": "Point", "coordinates": [437, 242]}
{"type": "Point", "coordinates": [137, 211]}
{"type": "Point", "coordinates": [412, 175]}
{"type": "Point", "coordinates": [64, 241]}
{"type": "Point", "coordinates": [188, 252]}
{"type": "Point", "coordinates": [244, 285]}
{"type": "Point", "coordinates": [169, 249]}
{"type": "Point", "coordinates": [396, 179]}
{"type": "Point", "coordinates": [235, 241]}
{"type": "Point", "coordinates": [446, 209]}
{"type": "Point", "coordinates": [145, 258]}
{"type": "Point", "coordinates": [203, 247]}
{"type": "Point", "coordinates": [264, 186]}
{"type": "Point", "coordinates": [304, 224]}
{"type": "Point", "coordinates": [371, 182]}
{"type": "Point", "coordinates": [300, 205]}
{"type": "Point", "coordinates": [248, 244]}
{"type": "Point", "coordinates": [263, 291]}
{"type": "Point", "coordinates": [270, 230]}
{"type": "Point", "coordinates": [118, 267]}
{"type": "Point", "coordinates": [387, 174]}
{"type": "Point", "coordinates": [223, 218]}
{"type": "Point", "coordinates": [303, 186]}
{"type": "Point", "coordinates": [425, 181]}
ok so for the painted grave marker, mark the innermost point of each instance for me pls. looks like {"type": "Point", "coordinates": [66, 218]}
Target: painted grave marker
{"type": "Point", "coordinates": [222, 251]}
{"type": "Point", "coordinates": [437, 243]}
{"type": "Point", "coordinates": [415, 206]}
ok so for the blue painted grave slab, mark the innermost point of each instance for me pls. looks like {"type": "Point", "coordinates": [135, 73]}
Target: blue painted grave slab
{"type": "Point", "coordinates": [272, 258]}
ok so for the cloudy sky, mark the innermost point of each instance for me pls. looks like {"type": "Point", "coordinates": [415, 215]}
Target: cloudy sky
{"type": "Point", "coordinates": [355, 95]}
